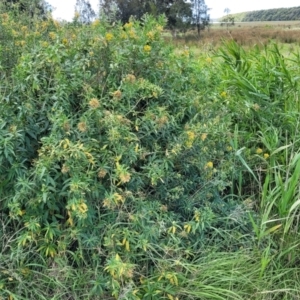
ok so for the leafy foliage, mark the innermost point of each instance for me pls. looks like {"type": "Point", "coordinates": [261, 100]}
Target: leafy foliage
{"type": "Point", "coordinates": [29, 8]}
{"type": "Point", "coordinates": [122, 172]}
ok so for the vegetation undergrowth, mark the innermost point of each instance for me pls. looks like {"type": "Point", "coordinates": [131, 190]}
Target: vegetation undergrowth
{"type": "Point", "coordinates": [286, 35]}
{"type": "Point", "coordinates": [131, 172]}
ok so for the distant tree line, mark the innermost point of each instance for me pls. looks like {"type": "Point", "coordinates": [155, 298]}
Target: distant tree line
{"type": "Point", "coordinates": [276, 14]}
{"type": "Point", "coordinates": [181, 14]}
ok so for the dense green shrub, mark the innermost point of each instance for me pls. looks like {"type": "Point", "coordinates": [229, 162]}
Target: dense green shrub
{"type": "Point", "coordinates": [129, 170]}
{"type": "Point", "coordinates": [110, 148]}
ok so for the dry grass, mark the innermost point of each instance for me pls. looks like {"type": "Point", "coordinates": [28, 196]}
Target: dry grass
{"type": "Point", "coordinates": [245, 34]}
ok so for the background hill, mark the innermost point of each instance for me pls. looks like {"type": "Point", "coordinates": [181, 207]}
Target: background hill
{"type": "Point", "coordinates": [276, 14]}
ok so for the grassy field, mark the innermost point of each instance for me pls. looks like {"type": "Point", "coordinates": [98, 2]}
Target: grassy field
{"type": "Point", "coordinates": [281, 24]}
{"type": "Point", "coordinates": [245, 34]}
{"type": "Point", "coordinates": [132, 168]}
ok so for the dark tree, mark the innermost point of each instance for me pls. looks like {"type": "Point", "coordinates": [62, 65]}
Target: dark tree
{"type": "Point", "coordinates": [85, 11]}
{"type": "Point", "coordinates": [179, 14]}
{"type": "Point", "coordinates": [201, 18]}
{"type": "Point", "coordinates": [176, 11]}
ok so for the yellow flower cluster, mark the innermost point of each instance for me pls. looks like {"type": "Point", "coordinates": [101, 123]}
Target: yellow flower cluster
{"type": "Point", "coordinates": [80, 207]}
{"type": "Point", "coordinates": [190, 140]}
{"type": "Point", "coordinates": [123, 35]}
{"type": "Point", "coordinates": [44, 25]}
{"type": "Point", "coordinates": [256, 107]}
{"type": "Point", "coordinates": [259, 151]}
{"type": "Point", "coordinates": [65, 41]}
{"type": "Point", "coordinates": [82, 127]}
{"type": "Point", "coordinates": [94, 103]}
{"type": "Point", "coordinates": [66, 126]}
{"type": "Point", "coordinates": [14, 33]}
{"type": "Point", "coordinates": [203, 136]}
{"type": "Point", "coordinates": [52, 35]}
{"type": "Point", "coordinates": [56, 23]}
{"type": "Point", "coordinates": [119, 270]}
{"type": "Point", "coordinates": [162, 121]}
{"type": "Point", "coordinates": [13, 129]}
{"type": "Point", "coordinates": [124, 177]}
{"type": "Point", "coordinates": [186, 53]}
{"type": "Point", "coordinates": [118, 198]}
{"type": "Point", "coordinates": [209, 165]}
{"type": "Point", "coordinates": [128, 25]}
{"type": "Point", "coordinates": [197, 216]}
{"type": "Point", "coordinates": [159, 64]}
{"type": "Point", "coordinates": [223, 94]}
{"type": "Point", "coordinates": [172, 279]}
{"type": "Point", "coordinates": [20, 43]}
{"type": "Point", "coordinates": [96, 23]}
{"type": "Point", "coordinates": [132, 34]}
{"type": "Point", "coordinates": [187, 228]}
{"type": "Point", "coordinates": [130, 78]}
{"type": "Point", "coordinates": [65, 169]}
{"type": "Point", "coordinates": [109, 36]}
{"type": "Point", "coordinates": [159, 28]}
{"type": "Point", "coordinates": [114, 200]}
{"type": "Point", "coordinates": [102, 173]}
{"type": "Point", "coordinates": [208, 60]}
{"type": "Point", "coordinates": [70, 220]}
{"type": "Point", "coordinates": [117, 94]}
{"type": "Point", "coordinates": [150, 35]}
{"type": "Point", "coordinates": [45, 44]}
{"type": "Point", "coordinates": [5, 17]}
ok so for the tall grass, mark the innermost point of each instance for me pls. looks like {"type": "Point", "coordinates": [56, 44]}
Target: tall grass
{"type": "Point", "coordinates": [245, 35]}
{"type": "Point", "coordinates": [264, 97]}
